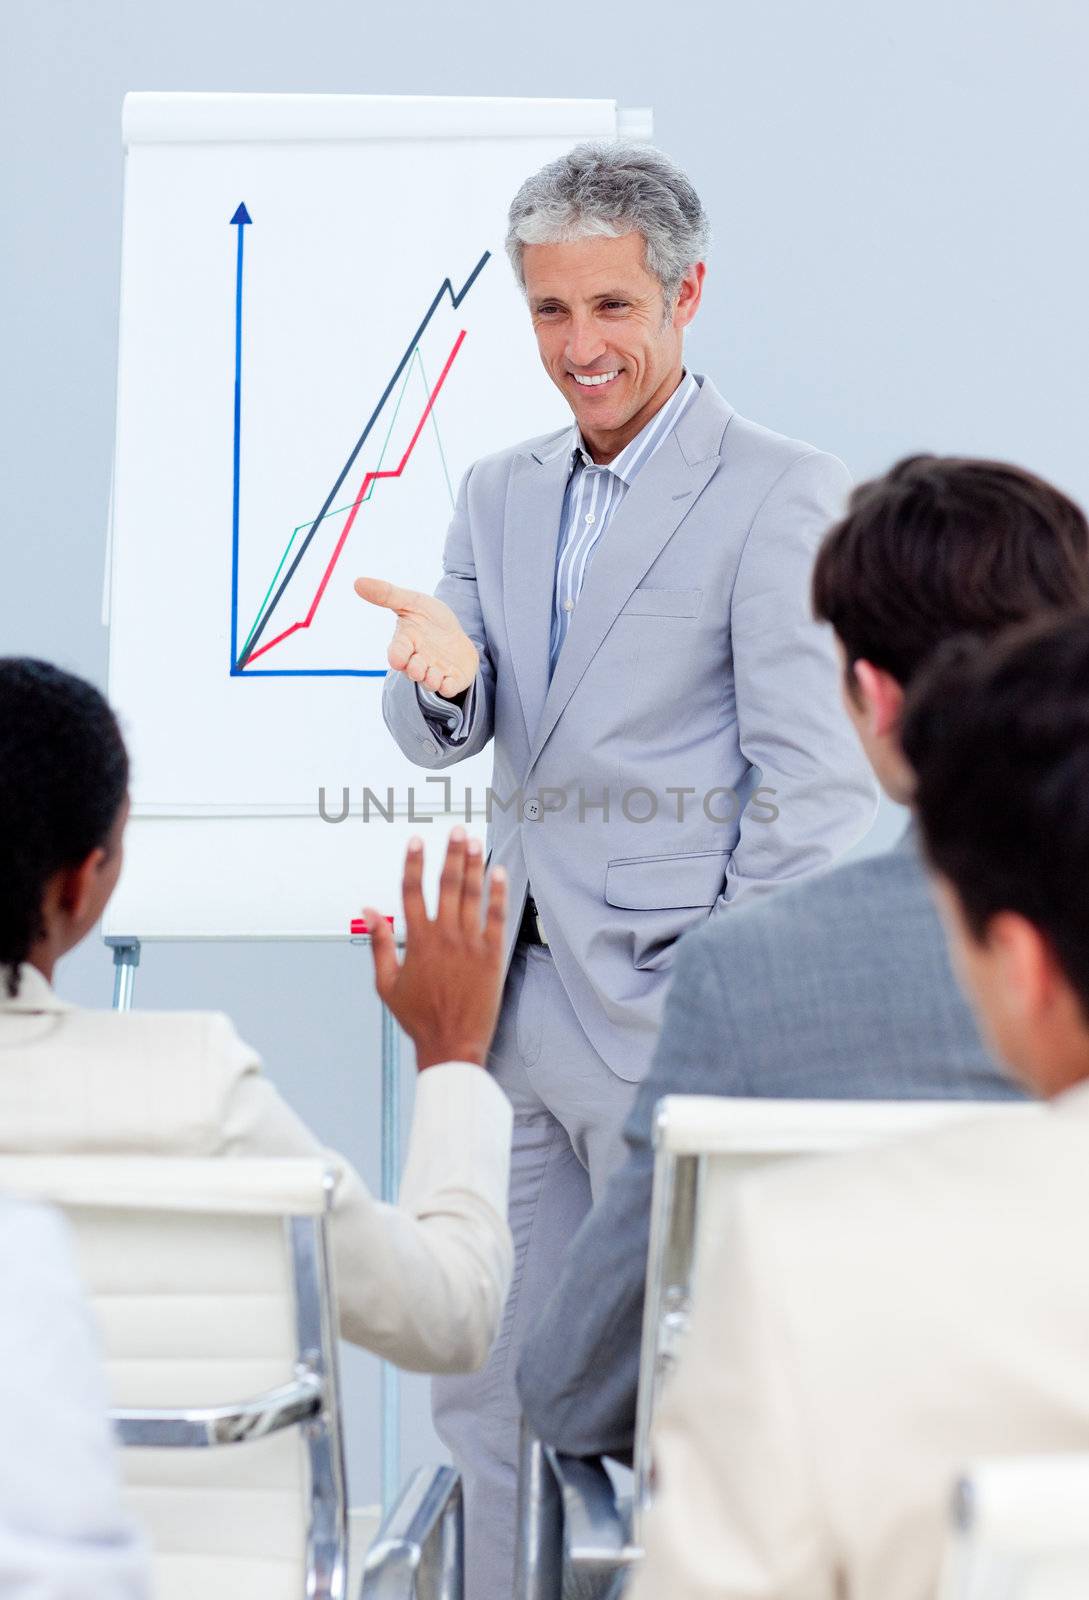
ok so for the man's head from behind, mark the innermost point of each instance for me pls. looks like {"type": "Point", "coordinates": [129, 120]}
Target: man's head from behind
{"type": "Point", "coordinates": [998, 737]}
{"type": "Point", "coordinates": [939, 547]}
{"type": "Point", "coordinates": [609, 243]}
{"type": "Point", "coordinates": [63, 803]}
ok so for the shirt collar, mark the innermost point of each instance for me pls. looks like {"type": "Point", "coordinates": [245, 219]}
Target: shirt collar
{"type": "Point", "coordinates": [638, 451]}
{"type": "Point", "coordinates": [35, 993]}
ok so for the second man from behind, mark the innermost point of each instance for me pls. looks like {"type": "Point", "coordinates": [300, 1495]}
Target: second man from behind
{"type": "Point", "coordinates": [839, 988]}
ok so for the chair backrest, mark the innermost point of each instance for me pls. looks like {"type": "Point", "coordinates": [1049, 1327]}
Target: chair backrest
{"type": "Point", "coordinates": [1020, 1531]}
{"type": "Point", "coordinates": [703, 1144]}
{"type": "Point", "coordinates": [210, 1283]}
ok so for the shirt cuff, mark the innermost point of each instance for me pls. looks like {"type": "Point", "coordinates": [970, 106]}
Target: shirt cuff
{"type": "Point", "coordinates": [454, 719]}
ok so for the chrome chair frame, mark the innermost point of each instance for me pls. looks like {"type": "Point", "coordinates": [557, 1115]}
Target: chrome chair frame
{"type": "Point", "coordinates": [538, 1560]}
{"type": "Point", "coordinates": [570, 1520]}
{"type": "Point", "coordinates": [418, 1551]}
{"type": "Point", "coordinates": [671, 1256]}
{"type": "Point", "coordinates": [569, 1516]}
{"type": "Point", "coordinates": [311, 1402]}
{"type": "Point", "coordinates": [831, 1127]}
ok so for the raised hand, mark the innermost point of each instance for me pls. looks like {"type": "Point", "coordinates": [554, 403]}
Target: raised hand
{"type": "Point", "coordinates": [446, 991]}
{"type": "Point", "coordinates": [429, 644]}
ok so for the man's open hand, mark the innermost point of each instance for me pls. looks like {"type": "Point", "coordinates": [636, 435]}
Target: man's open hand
{"type": "Point", "coordinates": [429, 644]}
{"type": "Point", "coordinates": [445, 993]}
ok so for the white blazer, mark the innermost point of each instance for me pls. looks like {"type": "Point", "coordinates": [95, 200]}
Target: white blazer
{"type": "Point", "coordinates": [421, 1283]}
{"type": "Point", "coordinates": [867, 1325]}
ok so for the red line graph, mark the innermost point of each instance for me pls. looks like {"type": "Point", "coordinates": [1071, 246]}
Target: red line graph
{"type": "Point", "coordinates": [371, 477]}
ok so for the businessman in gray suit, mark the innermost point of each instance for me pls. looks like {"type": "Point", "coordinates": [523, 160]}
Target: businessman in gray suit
{"type": "Point", "coordinates": [624, 610]}
{"type": "Point", "coordinates": [840, 987]}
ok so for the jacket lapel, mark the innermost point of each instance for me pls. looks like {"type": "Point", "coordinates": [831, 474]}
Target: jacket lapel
{"type": "Point", "coordinates": [531, 531]}
{"type": "Point", "coordinates": [653, 508]}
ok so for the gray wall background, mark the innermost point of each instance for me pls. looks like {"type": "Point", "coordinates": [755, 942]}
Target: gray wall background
{"type": "Point", "coordinates": [898, 197]}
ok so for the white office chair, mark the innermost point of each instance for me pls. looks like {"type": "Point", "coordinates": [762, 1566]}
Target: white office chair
{"type": "Point", "coordinates": [573, 1530]}
{"type": "Point", "coordinates": [1020, 1531]}
{"type": "Point", "coordinates": [211, 1287]}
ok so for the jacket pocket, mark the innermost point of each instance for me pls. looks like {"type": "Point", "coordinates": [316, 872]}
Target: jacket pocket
{"type": "Point", "coordinates": [653, 883]}
{"type": "Point", "coordinates": [663, 603]}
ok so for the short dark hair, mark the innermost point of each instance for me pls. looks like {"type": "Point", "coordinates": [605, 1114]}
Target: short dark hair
{"type": "Point", "coordinates": [998, 736]}
{"type": "Point", "coordinates": [942, 545]}
{"type": "Point", "coordinates": [63, 775]}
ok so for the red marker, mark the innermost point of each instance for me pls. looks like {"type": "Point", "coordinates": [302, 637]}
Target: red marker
{"type": "Point", "coordinates": [359, 925]}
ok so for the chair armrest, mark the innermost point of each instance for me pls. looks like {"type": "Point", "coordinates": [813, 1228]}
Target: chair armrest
{"type": "Point", "coordinates": [198, 1427]}
{"type": "Point", "coordinates": [421, 1532]}
{"type": "Point", "coordinates": [595, 1523]}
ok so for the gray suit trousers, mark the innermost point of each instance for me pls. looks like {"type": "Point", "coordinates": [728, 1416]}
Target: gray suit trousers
{"type": "Point", "coordinates": [569, 1111]}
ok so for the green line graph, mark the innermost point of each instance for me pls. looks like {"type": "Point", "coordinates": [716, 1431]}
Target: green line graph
{"type": "Point", "coordinates": [438, 436]}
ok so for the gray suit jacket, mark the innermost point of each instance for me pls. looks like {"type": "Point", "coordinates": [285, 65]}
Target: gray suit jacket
{"type": "Point", "coordinates": [692, 667]}
{"type": "Point", "coordinates": [839, 988]}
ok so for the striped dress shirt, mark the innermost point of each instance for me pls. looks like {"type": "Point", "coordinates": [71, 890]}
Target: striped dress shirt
{"type": "Point", "coordinates": [591, 500]}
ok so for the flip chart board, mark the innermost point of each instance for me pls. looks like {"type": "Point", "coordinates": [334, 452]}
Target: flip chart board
{"type": "Point", "coordinates": [319, 333]}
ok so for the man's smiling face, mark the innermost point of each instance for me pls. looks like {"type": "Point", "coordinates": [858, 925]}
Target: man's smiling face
{"type": "Point", "coordinates": [605, 335]}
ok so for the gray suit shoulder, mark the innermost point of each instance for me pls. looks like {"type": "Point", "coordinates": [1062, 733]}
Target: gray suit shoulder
{"type": "Point", "coordinates": [882, 885]}
{"type": "Point", "coordinates": [769, 455]}
{"type": "Point", "coordinates": [841, 985]}
{"type": "Point", "coordinates": [751, 942]}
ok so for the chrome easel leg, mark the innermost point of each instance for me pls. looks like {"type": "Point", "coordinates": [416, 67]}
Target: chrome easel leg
{"type": "Point", "coordinates": [390, 1448]}
{"type": "Point", "coordinates": [391, 1166]}
{"type": "Point", "coordinates": [126, 959]}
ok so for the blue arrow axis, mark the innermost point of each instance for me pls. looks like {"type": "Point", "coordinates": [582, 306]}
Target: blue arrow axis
{"type": "Point", "coordinates": [240, 220]}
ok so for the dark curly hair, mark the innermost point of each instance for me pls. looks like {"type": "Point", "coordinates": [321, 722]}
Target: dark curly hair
{"type": "Point", "coordinates": [64, 771]}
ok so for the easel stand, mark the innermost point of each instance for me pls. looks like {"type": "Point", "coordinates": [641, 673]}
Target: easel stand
{"type": "Point", "coordinates": [126, 959]}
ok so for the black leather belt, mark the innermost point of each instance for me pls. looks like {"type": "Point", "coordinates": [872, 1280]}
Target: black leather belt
{"type": "Point", "coordinates": [530, 930]}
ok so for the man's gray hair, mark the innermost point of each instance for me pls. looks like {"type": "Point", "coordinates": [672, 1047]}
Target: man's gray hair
{"type": "Point", "coordinates": [610, 189]}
